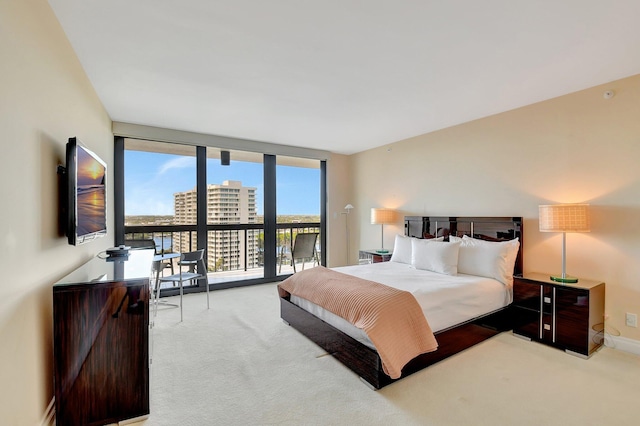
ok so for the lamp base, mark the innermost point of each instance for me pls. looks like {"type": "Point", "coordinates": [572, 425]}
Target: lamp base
{"type": "Point", "coordinates": [383, 251]}
{"type": "Point", "coordinates": [565, 279]}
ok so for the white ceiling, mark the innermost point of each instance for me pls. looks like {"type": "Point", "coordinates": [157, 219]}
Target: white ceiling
{"type": "Point", "coordinates": [342, 75]}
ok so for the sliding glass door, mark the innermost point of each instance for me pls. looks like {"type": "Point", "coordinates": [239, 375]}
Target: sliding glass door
{"type": "Point", "coordinates": [244, 208]}
{"type": "Point", "coordinates": [235, 231]}
{"type": "Point", "coordinates": [298, 211]}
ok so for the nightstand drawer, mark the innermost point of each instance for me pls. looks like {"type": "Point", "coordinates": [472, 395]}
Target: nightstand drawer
{"type": "Point", "coordinates": [527, 295]}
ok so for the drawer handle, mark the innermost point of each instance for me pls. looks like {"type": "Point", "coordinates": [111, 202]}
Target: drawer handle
{"type": "Point", "coordinates": [547, 299]}
{"type": "Point", "coordinates": [547, 327]}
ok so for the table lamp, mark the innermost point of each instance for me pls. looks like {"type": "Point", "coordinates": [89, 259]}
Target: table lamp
{"type": "Point", "coordinates": [564, 218]}
{"type": "Point", "coordinates": [382, 217]}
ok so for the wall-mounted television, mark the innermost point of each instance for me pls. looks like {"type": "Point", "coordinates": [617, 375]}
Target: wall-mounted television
{"type": "Point", "coordinates": [86, 194]}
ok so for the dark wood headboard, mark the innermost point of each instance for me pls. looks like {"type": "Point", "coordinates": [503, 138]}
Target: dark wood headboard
{"type": "Point", "coordinates": [483, 228]}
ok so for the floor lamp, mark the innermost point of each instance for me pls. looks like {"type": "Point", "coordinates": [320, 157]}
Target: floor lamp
{"type": "Point", "coordinates": [564, 218]}
{"type": "Point", "coordinates": [347, 209]}
{"type": "Point", "coordinates": [382, 217]}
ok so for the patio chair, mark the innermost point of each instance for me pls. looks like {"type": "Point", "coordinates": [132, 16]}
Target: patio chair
{"type": "Point", "coordinates": [200, 271]}
{"type": "Point", "coordinates": [304, 247]}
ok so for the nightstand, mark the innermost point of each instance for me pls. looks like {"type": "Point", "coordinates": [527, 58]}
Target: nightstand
{"type": "Point", "coordinates": [373, 256]}
{"type": "Point", "coordinates": [566, 316]}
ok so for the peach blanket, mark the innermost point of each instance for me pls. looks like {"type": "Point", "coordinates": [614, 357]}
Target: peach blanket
{"type": "Point", "coordinates": [391, 318]}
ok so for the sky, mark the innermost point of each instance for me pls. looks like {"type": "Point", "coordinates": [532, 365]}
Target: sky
{"type": "Point", "coordinates": [151, 179]}
{"type": "Point", "coordinates": [89, 171]}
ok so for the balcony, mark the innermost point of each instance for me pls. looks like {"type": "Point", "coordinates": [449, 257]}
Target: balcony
{"type": "Point", "coordinates": [234, 251]}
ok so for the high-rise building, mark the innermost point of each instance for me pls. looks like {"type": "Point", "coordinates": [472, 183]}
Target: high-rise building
{"type": "Point", "coordinates": [227, 203]}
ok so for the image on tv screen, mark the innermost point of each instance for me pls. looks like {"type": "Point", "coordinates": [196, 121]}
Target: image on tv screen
{"type": "Point", "coordinates": [91, 194]}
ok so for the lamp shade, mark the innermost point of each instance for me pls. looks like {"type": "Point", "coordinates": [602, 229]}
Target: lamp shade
{"type": "Point", "coordinates": [382, 216]}
{"type": "Point", "coordinates": [564, 218]}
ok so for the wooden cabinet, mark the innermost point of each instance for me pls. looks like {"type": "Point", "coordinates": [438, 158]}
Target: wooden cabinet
{"type": "Point", "coordinates": [566, 316]}
{"type": "Point", "coordinates": [101, 341]}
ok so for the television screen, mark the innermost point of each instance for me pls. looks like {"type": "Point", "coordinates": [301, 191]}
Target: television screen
{"type": "Point", "coordinates": [86, 174]}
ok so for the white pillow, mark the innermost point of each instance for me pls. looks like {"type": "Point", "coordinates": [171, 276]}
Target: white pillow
{"type": "Point", "coordinates": [435, 256]}
{"type": "Point", "coordinates": [492, 259]}
{"type": "Point", "coordinates": [402, 249]}
{"type": "Point", "coordinates": [454, 239]}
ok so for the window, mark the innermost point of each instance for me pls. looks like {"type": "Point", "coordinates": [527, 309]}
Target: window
{"type": "Point", "coordinates": [181, 196]}
{"type": "Point", "coordinates": [160, 190]}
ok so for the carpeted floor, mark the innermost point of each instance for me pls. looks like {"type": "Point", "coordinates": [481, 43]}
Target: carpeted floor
{"type": "Point", "coordinates": [239, 364]}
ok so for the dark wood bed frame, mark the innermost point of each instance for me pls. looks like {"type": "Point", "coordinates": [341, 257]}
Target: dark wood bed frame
{"type": "Point", "coordinates": [365, 361]}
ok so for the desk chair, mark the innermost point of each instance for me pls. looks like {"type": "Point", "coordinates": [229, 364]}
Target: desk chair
{"type": "Point", "coordinates": [189, 259]}
{"type": "Point", "coordinates": [304, 247]}
{"type": "Point", "coordinates": [157, 266]}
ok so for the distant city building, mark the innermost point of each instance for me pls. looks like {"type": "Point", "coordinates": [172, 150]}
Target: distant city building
{"type": "Point", "coordinates": [227, 203]}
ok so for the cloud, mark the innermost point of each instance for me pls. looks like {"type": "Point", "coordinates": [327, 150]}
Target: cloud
{"type": "Point", "coordinates": [177, 163]}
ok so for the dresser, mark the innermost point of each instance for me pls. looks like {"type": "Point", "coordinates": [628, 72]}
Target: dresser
{"type": "Point", "coordinates": [566, 316]}
{"type": "Point", "coordinates": [101, 341]}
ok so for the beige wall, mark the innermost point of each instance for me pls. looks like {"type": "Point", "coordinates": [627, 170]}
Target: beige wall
{"type": "Point", "coordinates": [45, 99]}
{"type": "Point", "coordinates": [575, 148]}
{"type": "Point", "coordinates": [338, 196]}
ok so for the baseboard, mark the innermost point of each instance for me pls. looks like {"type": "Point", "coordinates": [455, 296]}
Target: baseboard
{"type": "Point", "coordinates": [49, 416]}
{"type": "Point", "coordinates": [623, 344]}
{"type": "Point", "coordinates": [133, 420]}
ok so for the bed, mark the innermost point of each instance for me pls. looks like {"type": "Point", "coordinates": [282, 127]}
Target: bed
{"type": "Point", "coordinates": [462, 309]}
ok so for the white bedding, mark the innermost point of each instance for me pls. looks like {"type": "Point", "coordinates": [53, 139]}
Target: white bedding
{"type": "Point", "coordinates": [445, 300]}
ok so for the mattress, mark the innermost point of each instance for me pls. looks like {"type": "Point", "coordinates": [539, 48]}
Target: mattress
{"type": "Point", "coordinates": [446, 300]}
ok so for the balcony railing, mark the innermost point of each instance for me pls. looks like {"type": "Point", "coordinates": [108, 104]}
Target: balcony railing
{"type": "Point", "coordinates": [235, 252]}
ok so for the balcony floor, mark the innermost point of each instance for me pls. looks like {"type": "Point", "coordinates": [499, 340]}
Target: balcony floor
{"type": "Point", "coordinates": [223, 277]}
